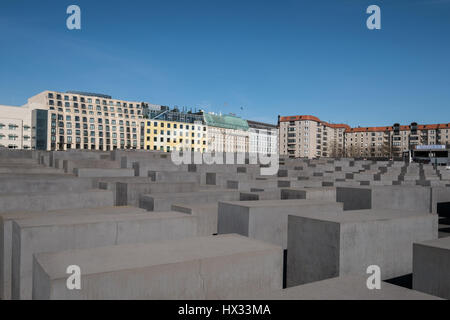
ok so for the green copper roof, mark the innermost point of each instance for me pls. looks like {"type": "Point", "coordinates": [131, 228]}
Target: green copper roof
{"type": "Point", "coordinates": [226, 121]}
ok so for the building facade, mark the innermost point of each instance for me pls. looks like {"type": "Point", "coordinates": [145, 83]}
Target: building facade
{"type": "Point", "coordinates": [227, 133]}
{"type": "Point", "coordinates": [170, 136]}
{"type": "Point", "coordinates": [307, 136]}
{"type": "Point", "coordinates": [79, 120]}
{"type": "Point", "coordinates": [393, 141]}
{"type": "Point", "coordinates": [263, 137]}
{"type": "Point", "coordinates": [15, 127]}
{"type": "Point", "coordinates": [171, 130]}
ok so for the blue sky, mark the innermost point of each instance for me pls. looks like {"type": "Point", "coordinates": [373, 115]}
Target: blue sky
{"type": "Point", "coordinates": [269, 57]}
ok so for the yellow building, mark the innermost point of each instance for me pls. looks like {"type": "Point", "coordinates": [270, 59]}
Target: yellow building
{"type": "Point", "coordinates": [166, 135]}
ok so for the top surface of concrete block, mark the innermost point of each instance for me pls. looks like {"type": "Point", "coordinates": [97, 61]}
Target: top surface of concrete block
{"type": "Point", "coordinates": [123, 257]}
{"type": "Point", "coordinates": [56, 220]}
{"type": "Point", "coordinates": [442, 243]}
{"type": "Point", "coordinates": [345, 288]}
{"type": "Point", "coordinates": [276, 203]}
{"type": "Point", "coordinates": [76, 211]}
{"type": "Point", "coordinates": [365, 215]}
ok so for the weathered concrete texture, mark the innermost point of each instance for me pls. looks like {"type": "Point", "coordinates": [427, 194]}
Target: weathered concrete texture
{"type": "Point", "coordinates": [323, 193]}
{"type": "Point", "coordinates": [255, 194]}
{"type": "Point", "coordinates": [439, 195]}
{"type": "Point", "coordinates": [41, 201]}
{"type": "Point", "coordinates": [431, 267]}
{"type": "Point", "coordinates": [128, 193]}
{"type": "Point", "coordinates": [267, 220]}
{"type": "Point", "coordinates": [70, 165]}
{"type": "Point", "coordinates": [206, 216]}
{"type": "Point", "coordinates": [53, 183]}
{"type": "Point", "coordinates": [142, 168]}
{"type": "Point", "coordinates": [354, 198]}
{"type": "Point", "coordinates": [171, 176]}
{"type": "Point", "coordinates": [322, 246]}
{"type": "Point", "coordinates": [385, 197]}
{"type": "Point", "coordinates": [330, 244]}
{"type": "Point", "coordinates": [31, 236]}
{"type": "Point", "coordinates": [217, 267]}
{"type": "Point", "coordinates": [6, 231]}
{"type": "Point", "coordinates": [343, 288]}
{"type": "Point", "coordinates": [29, 170]}
{"type": "Point", "coordinates": [248, 185]}
{"type": "Point", "coordinates": [98, 172]}
{"type": "Point", "coordinates": [164, 201]}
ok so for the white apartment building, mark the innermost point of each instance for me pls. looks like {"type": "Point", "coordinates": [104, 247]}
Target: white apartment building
{"type": "Point", "coordinates": [309, 137]}
{"type": "Point", "coordinates": [15, 127]}
{"type": "Point", "coordinates": [226, 133]}
{"type": "Point", "coordinates": [263, 138]}
{"type": "Point", "coordinates": [80, 120]}
{"type": "Point", "coordinates": [392, 141]}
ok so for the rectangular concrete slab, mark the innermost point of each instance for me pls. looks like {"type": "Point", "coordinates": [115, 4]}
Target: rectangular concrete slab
{"type": "Point", "coordinates": [58, 233]}
{"type": "Point", "coordinates": [41, 201]}
{"type": "Point", "coordinates": [385, 197]}
{"type": "Point", "coordinates": [98, 172]}
{"type": "Point", "coordinates": [164, 201]}
{"type": "Point", "coordinates": [206, 216]}
{"type": "Point", "coordinates": [266, 220]}
{"type": "Point", "coordinates": [326, 245]}
{"type": "Point", "coordinates": [431, 267]}
{"type": "Point", "coordinates": [6, 227]}
{"type": "Point", "coordinates": [343, 288]}
{"type": "Point", "coordinates": [216, 267]}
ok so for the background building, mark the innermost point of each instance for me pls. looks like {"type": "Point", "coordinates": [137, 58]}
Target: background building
{"type": "Point", "coordinates": [309, 137]}
{"type": "Point", "coordinates": [81, 120]}
{"type": "Point", "coordinates": [263, 137]}
{"type": "Point", "coordinates": [168, 130]}
{"type": "Point", "coordinates": [227, 133]}
{"type": "Point", "coordinates": [15, 127]}
{"type": "Point", "coordinates": [393, 141]}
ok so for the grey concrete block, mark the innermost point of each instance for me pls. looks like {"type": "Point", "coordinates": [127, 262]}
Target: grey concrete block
{"type": "Point", "coordinates": [164, 201]}
{"type": "Point", "coordinates": [217, 267]}
{"type": "Point", "coordinates": [343, 288]}
{"type": "Point", "coordinates": [325, 245]}
{"type": "Point", "coordinates": [6, 230]}
{"type": "Point", "coordinates": [431, 267]}
{"type": "Point", "coordinates": [97, 172]}
{"type": "Point", "coordinates": [128, 193]}
{"type": "Point", "coordinates": [206, 216]}
{"type": "Point", "coordinates": [266, 220]}
{"type": "Point", "coordinates": [41, 201]}
{"type": "Point", "coordinates": [58, 233]}
{"type": "Point", "coordinates": [414, 198]}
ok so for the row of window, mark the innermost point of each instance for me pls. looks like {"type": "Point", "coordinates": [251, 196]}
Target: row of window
{"type": "Point", "coordinates": [91, 107]}
{"type": "Point", "coordinates": [99, 113]}
{"type": "Point", "coordinates": [60, 117]}
{"type": "Point", "coordinates": [14, 127]}
{"type": "Point", "coordinates": [169, 149]}
{"type": "Point", "coordinates": [174, 125]}
{"type": "Point", "coordinates": [13, 137]}
{"type": "Point", "coordinates": [90, 100]}
{"type": "Point", "coordinates": [101, 141]}
{"type": "Point", "coordinates": [92, 133]}
{"type": "Point", "coordinates": [175, 133]}
{"type": "Point", "coordinates": [14, 146]}
{"type": "Point", "coordinates": [161, 139]}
